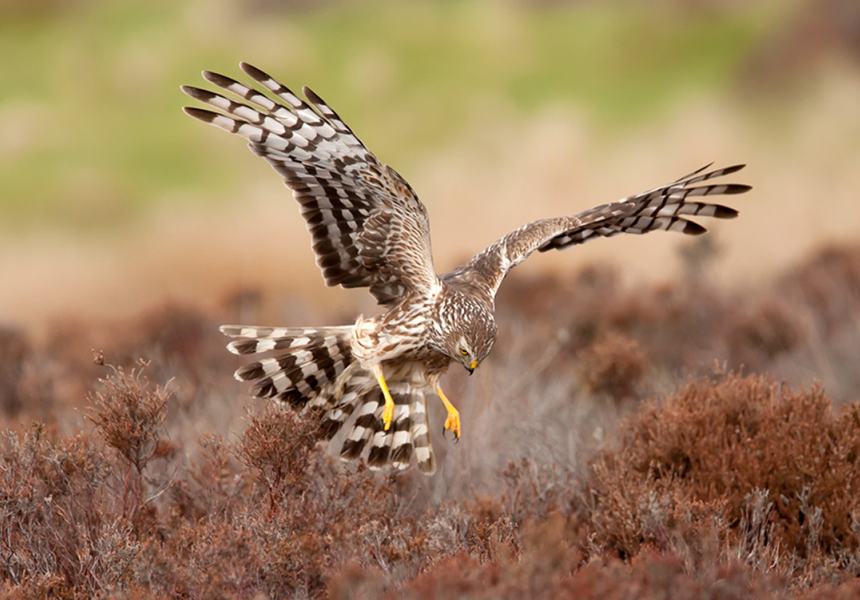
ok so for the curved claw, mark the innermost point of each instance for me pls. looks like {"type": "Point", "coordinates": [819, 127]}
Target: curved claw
{"type": "Point", "coordinates": [452, 423]}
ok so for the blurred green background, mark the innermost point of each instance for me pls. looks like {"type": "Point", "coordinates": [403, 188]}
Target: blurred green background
{"type": "Point", "coordinates": [90, 99]}
{"type": "Point", "coordinates": [112, 200]}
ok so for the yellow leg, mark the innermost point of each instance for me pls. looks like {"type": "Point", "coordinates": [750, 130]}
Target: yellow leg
{"type": "Point", "coordinates": [388, 412]}
{"type": "Point", "coordinates": [452, 423]}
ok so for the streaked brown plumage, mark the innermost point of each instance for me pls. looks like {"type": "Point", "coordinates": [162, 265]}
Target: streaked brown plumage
{"type": "Point", "coordinates": [370, 230]}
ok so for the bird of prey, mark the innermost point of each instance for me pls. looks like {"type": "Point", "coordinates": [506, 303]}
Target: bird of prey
{"type": "Point", "coordinates": [369, 229]}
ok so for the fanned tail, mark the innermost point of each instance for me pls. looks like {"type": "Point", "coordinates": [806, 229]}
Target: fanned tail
{"type": "Point", "coordinates": [315, 368]}
{"type": "Point", "coordinates": [408, 436]}
{"type": "Point", "coordinates": [307, 362]}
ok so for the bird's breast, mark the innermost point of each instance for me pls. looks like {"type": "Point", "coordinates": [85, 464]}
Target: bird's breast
{"type": "Point", "coordinates": [399, 347]}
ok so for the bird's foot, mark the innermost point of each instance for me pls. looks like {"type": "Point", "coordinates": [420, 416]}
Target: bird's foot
{"type": "Point", "coordinates": [452, 423]}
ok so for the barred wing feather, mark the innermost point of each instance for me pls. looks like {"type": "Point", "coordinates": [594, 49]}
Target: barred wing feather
{"type": "Point", "coordinates": [369, 229]}
{"type": "Point", "coordinates": [666, 208]}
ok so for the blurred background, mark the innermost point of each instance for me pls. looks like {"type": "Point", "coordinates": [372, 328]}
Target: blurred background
{"type": "Point", "coordinates": [130, 231]}
{"type": "Point", "coordinates": [113, 202]}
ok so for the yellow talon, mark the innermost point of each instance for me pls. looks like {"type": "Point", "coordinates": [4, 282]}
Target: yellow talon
{"type": "Point", "coordinates": [452, 423]}
{"type": "Point", "coordinates": [388, 412]}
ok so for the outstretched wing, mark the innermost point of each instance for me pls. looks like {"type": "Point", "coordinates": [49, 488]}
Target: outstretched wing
{"type": "Point", "coordinates": [369, 229]}
{"type": "Point", "coordinates": [665, 208]}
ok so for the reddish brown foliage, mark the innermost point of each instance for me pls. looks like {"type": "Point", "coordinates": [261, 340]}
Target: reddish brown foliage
{"type": "Point", "coordinates": [746, 460]}
{"type": "Point", "coordinates": [613, 366]}
{"type": "Point", "coordinates": [730, 488]}
{"type": "Point", "coordinates": [278, 445]}
{"type": "Point", "coordinates": [763, 333]}
{"type": "Point", "coordinates": [129, 415]}
{"type": "Point", "coordinates": [13, 348]}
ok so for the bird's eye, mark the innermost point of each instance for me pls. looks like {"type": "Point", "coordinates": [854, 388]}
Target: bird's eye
{"type": "Point", "coordinates": [463, 352]}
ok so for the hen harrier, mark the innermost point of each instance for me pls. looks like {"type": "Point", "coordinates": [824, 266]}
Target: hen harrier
{"type": "Point", "coordinates": [370, 230]}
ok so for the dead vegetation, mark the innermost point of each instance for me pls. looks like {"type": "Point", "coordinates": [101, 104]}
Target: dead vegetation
{"type": "Point", "coordinates": [122, 480]}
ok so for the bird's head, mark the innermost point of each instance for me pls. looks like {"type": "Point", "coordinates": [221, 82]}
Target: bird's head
{"type": "Point", "coordinates": [469, 331]}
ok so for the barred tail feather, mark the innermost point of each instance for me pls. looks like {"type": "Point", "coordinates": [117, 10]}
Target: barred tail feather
{"type": "Point", "coordinates": [344, 402]}
{"type": "Point", "coordinates": [423, 449]}
{"type": "Point", "coordinates": [368, 420]}
{"type": "Point", "coordinates": [314, 368]}
{"type": "Point", "coordinates": [408, 435]}
{"type": "Point", "coordinates": [308, 365]}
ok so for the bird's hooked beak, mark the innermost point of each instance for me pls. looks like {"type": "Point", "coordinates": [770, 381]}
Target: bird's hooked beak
{"type": "Point", "coordinates": [471, 368]}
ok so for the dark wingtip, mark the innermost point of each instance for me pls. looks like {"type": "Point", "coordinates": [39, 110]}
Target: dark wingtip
{"type": "Point", "coordinates": [693, 228]}
{"type": "Point", "coordinates": [700, 170]}
{"type": "Point", "coordinates": [218, 79]}
{"type": "Point", "coordinates": [207, 116]}
{"type": "Point", "coordinates": [724, 212]}
{"type": "Point", "coordinates": [732, 169]}
{"type": "Point", "coordinates": [197, 93]}
{"type": "Point", "coordinates": [737, 188]}
{"type": "Point", "coordinates": [312, 96]}
{"type": "Point", "coordinates": [254, 72]}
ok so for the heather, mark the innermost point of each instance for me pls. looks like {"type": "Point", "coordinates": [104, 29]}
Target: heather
{"type": "Point", "coordinates": [621, 442]}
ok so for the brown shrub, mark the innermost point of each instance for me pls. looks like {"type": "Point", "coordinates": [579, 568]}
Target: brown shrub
{"type": "Point", "coordinates": [72, 514]}
{"type": "Point", "coordinates": [14, 346]}
{"type": "Point", "coordinates": [129, 415]}
{"type": "Point", "coordinates": [215, 484]}
{"type": "Point", "coordinates": [542, 569]}
{"type": "Point", "coordinates": [549, 568]}
{"type": "Point", "coordinates": [739, 488]}
{"type": "Point", "coordinates": [613, 366]}
{"type": "Point", "coordinates": [696, 462]}
{"type": "Point", "coordinates": [759, 335]}
{"type": "Point", "coordinates": [803, 324]}
{"type": "Point", "coordinates": [535, 491]}
{"type": "Point", "coordinates": [677, 326]}
{"type": "Point", "coordinates": [278, 445]}
{"type": "Point", "coordinates": [60, 534]}
{"type": "Point", "coordinates": [829, 283]}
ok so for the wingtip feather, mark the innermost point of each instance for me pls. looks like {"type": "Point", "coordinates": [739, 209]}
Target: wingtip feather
{"type": "Point", "coordinates": [201, 114]}
{"type": "Point", "coordinates": [724, 212]}
{"type": "Point", "coordinates": [311, 95]}
{"type": "Point", "coordinates": [737, 188]}
{"type": "Point", "coordinates": [733, 169]}
{"type": "Point", "coordinates": [199, 94]}
{"type": "Point", "coordinates": [253, 72]}
{"type": "Point", "coordinates": [218, 79]}
{"type": "Point", "coordinates": [693, 228]}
